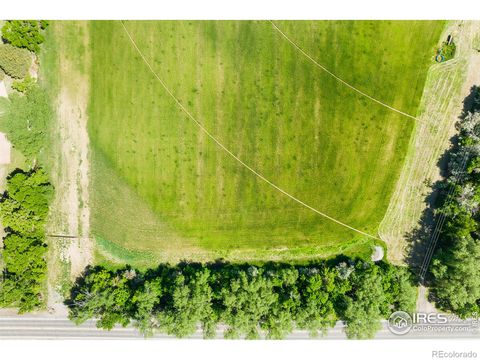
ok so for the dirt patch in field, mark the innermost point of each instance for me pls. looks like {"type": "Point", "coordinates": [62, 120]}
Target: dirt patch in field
{"type": "Point", "coordinates": [75, 171]}
{"type": "Point", "coordinates": [71, 170]}
{"type": "Point", "coordinates": [5, 148]}
{"type": "Point", "coordinates": [3, 90]}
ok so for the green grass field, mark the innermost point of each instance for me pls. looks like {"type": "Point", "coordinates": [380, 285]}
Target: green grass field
{"type": "Point", "coordinates": [162, 190]}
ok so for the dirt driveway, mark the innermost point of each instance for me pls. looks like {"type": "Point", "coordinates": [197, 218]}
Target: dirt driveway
{"type": "Point", "coordinates": [5, 147]}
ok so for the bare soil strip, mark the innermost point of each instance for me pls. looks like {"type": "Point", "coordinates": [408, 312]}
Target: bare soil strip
{"type": "Point", "coordinates": [3, 90]}
{"type": "Point", "coordinates": [446, 86]}
{"type": "Point", "coordinates": [72, 121]}
{"type": "Point", "coordinates": [4, 150]}
{"type": "Point", "coordinates": [70, 208]}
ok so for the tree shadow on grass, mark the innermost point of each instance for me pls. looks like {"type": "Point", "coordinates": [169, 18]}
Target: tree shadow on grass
{"type": "Point", "coordinates": [421, 239]}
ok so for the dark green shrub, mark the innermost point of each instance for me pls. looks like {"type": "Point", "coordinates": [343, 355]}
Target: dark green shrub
{"type": "Point", "coordinates": [44, 24]}
{"type": "Point", "coordinates": [27, 121]}
{"type": "Point", "coordinates": [24, 34]}
{"type": "Point", "coordinates": [448, 50]}
{"type": "Point", "coordinates": [25, 85]}
{"type": "Point", "coordinates": [14, 61]}
{"type": "Point", "coordinates": [476, 98]}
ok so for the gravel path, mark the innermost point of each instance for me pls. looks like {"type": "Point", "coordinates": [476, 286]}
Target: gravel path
{"type": "Point", "coordinates": [4, 150]}
{"type": "Point", "coordinates": [3, 90]}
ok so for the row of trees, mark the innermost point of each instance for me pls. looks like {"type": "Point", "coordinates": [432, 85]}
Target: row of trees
{"type": "Point", "coordinates": [24, 204]}
{"type": "Point", "coordinates": [455, 267]}
{"type": "Point", "coordinates": [249, 301]}
{"type": "Point", "coordinates": [23, 210]}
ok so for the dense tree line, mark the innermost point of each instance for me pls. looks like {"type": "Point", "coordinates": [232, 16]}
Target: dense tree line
{"type": "Point", "coordinates": [248, 301]}
{"type": "Point", "coordinates": [25, 203]}
{"type": "Point", "coordinates": [25, 85]}
{"type": "Point", "coordinates": [23, 210]}
{"type": "Point", "coordinates": [455, 267]}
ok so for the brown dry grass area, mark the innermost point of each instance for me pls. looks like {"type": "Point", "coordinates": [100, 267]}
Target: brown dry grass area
{"type": "Point", "coordinates": [446, 86]}
{"type": "Point", "coordinates": [71, 212]}
{"type": "Point", "coordinates": [4, 150]}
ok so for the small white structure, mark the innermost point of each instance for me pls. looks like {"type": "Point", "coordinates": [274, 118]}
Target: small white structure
{"type": "Point", "coordinates": [3, 89]}
{"type": "Point", "coordinates": [377, 253]}
{"type": "Point", "coordinates": [5, 147]}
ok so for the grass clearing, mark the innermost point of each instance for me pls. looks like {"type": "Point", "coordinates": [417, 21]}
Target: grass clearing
{"type": "Point", "coordinates": [63, 63]}
{"type": "Point", "coordinates": [446, 86]}
{"type": "Point", "coordinates": [159, 185]}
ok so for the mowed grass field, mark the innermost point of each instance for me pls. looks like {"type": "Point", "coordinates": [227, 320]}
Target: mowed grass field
{"type": "Point", "coordinates": [162, 190]}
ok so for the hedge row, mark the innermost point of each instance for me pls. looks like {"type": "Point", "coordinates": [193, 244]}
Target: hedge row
{"type": "Point", "coordinates": [23, 210]}
{"type": "Point", "coordinates": [250, 301]}
{"type": "Point", "coordinates": [455, 269]}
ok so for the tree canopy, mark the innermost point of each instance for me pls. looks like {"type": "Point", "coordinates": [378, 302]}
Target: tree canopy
{"type": "Point", "coordinates": [249, 301]}
{"type": "Point", "coordinates": [24, 33]}
{"type": "Point", "coordinates": [27, 122]}
{"type": "Point", "coordinates": [14, 62]}
{"type": "Point", "coordinates": [455, 269]}
{"type": "Point", "coordinates": [23, 210]}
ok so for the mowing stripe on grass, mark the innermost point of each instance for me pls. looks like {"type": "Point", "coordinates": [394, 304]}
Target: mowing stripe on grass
{"type": "Point", "coordinates": [200, 125]}
{"type": "Point", "coordinates": [338, 78]}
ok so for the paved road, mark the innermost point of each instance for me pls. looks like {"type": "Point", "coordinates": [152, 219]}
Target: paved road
{"type": "Point", "coordinates": [53, 327]}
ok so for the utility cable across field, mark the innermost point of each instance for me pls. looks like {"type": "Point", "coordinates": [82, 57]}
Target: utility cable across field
{"type": "Point", "coordinates": [224, 148]}
{"type": "Point", "coordinates": [338, 78]}
{"type": "Point", "coordinates": [440, 222]}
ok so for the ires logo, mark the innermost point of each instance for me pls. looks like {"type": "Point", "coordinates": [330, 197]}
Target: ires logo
{"type": "Point", "coordinates": [401, 323]}
{"type": "Point", "coordinates": [431, 318]}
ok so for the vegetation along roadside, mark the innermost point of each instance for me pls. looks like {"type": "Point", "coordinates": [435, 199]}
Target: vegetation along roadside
{"type": "Point", "coordinates": [251, 301]}
{"type": "Point", "coordinates": [265, 299]}
{"type": "Point", "coordinates": [24, 205]}
{"type": "Point", "coordinates": [455, 269]}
